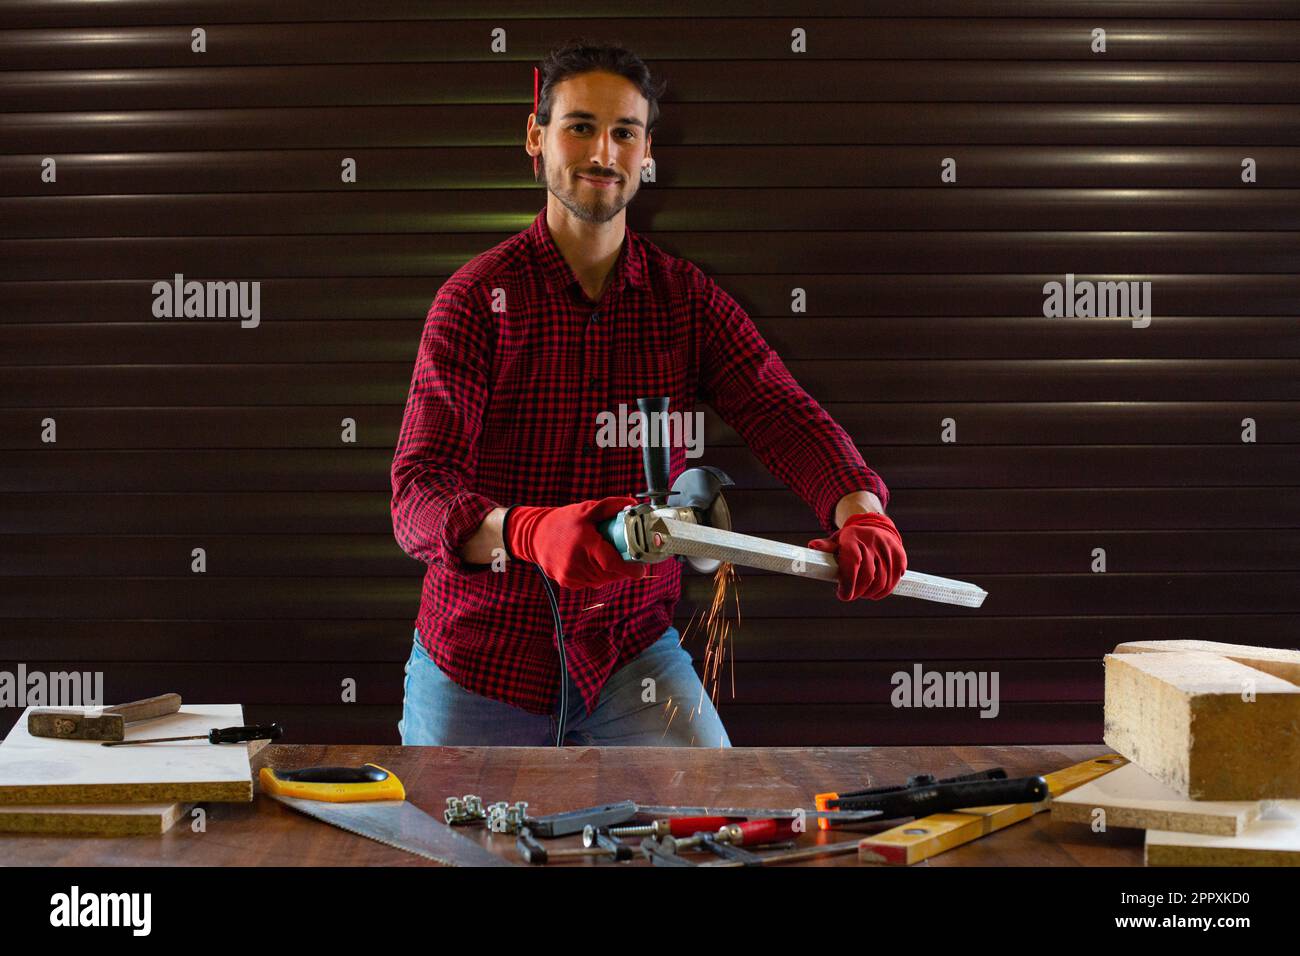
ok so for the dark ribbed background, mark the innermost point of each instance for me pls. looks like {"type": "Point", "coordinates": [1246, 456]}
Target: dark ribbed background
{"type": "Point", "coordinates": [775, 170]}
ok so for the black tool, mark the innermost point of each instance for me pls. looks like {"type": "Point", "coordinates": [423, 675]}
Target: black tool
{"type": "Point", "coordinates": [593, 838]}
{"type": "Point", "coordinates": [793, 856]}
{"type": "Point", "coordinates": [575, 821]}
{"type": "Point", "coordinates": [217, 735]}
{"type": "Point", "coordinates": [664, 852]}
{"type": "Point", "coordinates": [929, 779]}
{"type": "Point", "coordinates": [826, 802]}
{"type": "Point", "coordinates": [537, 854]}
{"type": "Point", "coordinates": [529, 849]}
{"type": "Point", "coordinates": [938, 797]}
{"type": "Point", "coordinates": [659, 855]}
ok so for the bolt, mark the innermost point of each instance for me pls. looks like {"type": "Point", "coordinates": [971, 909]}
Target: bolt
{"type": "Point", "coordinates": [656, 829]}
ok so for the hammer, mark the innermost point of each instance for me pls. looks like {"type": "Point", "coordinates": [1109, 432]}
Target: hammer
{"type": "Point", "coordinates": [107, 724]}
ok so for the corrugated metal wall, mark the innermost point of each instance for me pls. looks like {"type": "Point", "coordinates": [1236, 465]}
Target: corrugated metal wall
{"type": "Point", "coordinates": [776, 169]}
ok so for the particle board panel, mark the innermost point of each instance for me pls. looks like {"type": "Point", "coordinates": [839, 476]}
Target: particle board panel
{"type": "Point", "coordinates": [1272, 840]}
{"type": "Point", "coordinates": [36, 770]}
{"type": "Point", "coordinates": [95, 819]}
{"type": "Point", "coordinates": [1133, 798]}
{"type": "Point", "coordinates": [1283, 663]}
{"type": "Point", "coordinates": [1206, 726]}
{"type": "Point", "coordinates": [98, 819]}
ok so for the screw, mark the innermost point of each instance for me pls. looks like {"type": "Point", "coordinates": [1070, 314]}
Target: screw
{"type": "Point", "coordinates": [656, 829]}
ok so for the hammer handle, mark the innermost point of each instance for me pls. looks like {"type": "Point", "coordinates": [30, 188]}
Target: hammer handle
{"type": "Point", "coordinates": [158, 706]}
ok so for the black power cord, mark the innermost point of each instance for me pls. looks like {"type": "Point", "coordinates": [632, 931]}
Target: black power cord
{"type": "Point", "coordinates": [564, 660]}
{"type": "Point", "coordinates": [559, 630]}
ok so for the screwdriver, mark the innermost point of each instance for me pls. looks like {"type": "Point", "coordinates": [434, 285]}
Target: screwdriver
{"type": "Point", "coordinates": [217, 735]}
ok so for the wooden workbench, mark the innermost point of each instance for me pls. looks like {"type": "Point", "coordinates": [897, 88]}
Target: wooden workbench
{"type": "Point", "coordinates": [264, 833]}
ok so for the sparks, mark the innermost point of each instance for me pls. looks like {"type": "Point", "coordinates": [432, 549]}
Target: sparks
{"type": "Point", "coordinates": [718, 628]}
{"type": "Point", "coordinates": [670, 720]}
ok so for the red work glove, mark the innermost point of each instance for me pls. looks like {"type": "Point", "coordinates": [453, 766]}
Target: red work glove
{"type": "Point", "coordinates": [565, 543]}
{"type": "Point", "coordinates": [870, 553]}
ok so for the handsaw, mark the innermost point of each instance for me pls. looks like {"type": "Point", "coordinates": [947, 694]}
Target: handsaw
{"type": "Point", "coordinates": [371, 802]}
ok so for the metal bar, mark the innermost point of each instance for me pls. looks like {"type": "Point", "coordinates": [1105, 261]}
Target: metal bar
{"type": "Point", "coordinates": [698, 541]}
{"type": "Point", "coordinates": [835, 816]}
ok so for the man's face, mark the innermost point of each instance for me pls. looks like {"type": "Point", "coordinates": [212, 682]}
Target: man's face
{"type": "Point", "coordinates": [593, 147]}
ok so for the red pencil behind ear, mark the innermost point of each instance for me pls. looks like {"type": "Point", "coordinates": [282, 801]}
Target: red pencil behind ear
{"type": "Point", "coordinates": [535, 81]}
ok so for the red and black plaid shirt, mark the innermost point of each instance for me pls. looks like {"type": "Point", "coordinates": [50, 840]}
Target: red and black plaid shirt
{"type": "Point", "coordinates": [515, 363]}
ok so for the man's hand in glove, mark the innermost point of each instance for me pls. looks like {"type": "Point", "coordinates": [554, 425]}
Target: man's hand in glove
{"type": "Point", "coordinates": [566, 544]}
{"type": "Point", "coordinates": [870, 553]}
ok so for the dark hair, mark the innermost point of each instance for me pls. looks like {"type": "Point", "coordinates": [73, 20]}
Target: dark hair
{"type": "Point", "coordinates": [579, 56]}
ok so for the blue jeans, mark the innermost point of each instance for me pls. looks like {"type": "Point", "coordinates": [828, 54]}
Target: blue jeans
{"type": "Point", "coordinates": [631, 712]}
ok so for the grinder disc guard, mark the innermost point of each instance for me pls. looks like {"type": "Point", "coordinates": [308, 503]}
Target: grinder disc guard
{"type": "Point", "coordinates": [700, 489]}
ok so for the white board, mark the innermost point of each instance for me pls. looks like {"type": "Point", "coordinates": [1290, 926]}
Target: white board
{"type": "Point", "coordinates": [1133, 798]}
{"type": "Point", "coordinates": [1272, 840]}
{"type": "Point", "coordinates": [42, 770]}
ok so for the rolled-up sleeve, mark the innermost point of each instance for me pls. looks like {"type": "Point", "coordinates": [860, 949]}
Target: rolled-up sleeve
{"type": "Point", "coordinates": [434, 505]}
{"type": "Point", "coordinates": [748, 385]}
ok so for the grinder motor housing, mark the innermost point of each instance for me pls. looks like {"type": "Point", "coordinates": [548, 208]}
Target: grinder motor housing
{"type": "Point", "coordinates": [695, 497]}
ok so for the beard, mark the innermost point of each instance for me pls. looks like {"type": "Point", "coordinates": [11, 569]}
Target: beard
{"type": "Point", "coordinates": [586, 203]}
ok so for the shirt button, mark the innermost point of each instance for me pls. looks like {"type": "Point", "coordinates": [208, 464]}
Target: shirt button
{"type": "Point", "coordinates": [595, 316]}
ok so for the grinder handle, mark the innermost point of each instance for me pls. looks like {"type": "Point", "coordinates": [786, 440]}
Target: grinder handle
{"type": "Point", "coordinates": [656, 462]}
{"type": "Point", "coordinates": [656, 455]}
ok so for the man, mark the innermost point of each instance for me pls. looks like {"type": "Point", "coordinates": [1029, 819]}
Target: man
{"type": "Point", "coordinates": [497, 463]}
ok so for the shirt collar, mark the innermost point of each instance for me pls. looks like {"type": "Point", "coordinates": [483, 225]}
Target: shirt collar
{"type": "Point", "coordinates": [629, 268]}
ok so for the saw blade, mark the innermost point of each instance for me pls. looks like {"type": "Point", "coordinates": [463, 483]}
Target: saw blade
{"type": "Point", "coordinates": [399, 825]}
